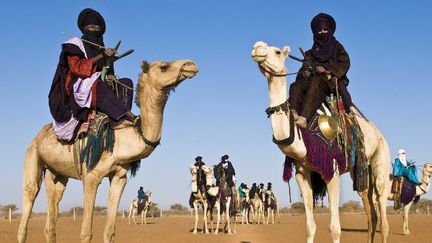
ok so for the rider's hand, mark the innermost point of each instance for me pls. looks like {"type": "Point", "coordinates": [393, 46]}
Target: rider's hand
{"type": "Point", "coordinates": [321, 69]}
{"type": "Point", "coordinates": [109, 52]}
{"type": "Point", "coordinates": [307, 73]}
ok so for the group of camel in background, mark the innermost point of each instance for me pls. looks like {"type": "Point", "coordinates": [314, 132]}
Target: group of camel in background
{"type": "Point", "coordinates": [49, 159]}
{"type": "Point", "coordinates": [204, 192]}
{"type": "Point", "coordinates": [262, 206]}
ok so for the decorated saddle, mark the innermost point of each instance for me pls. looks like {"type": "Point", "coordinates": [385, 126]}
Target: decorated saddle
{"type": "Point", "coordinates": [93, 138]}
{"type": "Point", "coordinates": [334, 143]}
{"type": "Point", "coordinates": [404, 191]}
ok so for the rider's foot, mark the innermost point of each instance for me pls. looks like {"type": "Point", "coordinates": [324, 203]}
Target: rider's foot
{"type": "Point", "coordinates": [132, 117]}
{"type": "Point", "coordinates": [295, 115]}
{"type": "Point", "coordinates": [301, 122]}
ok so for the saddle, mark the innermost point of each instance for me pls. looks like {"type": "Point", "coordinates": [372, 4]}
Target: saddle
{"type": "Point", "coordinates": [333, 134]}
{"type": "Point", "coordinates": [404, 191]}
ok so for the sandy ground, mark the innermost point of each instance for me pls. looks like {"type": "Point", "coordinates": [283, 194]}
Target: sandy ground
{"type": "Point", "coordinates": [178, 228]}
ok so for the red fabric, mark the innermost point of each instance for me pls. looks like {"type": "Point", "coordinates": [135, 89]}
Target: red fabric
{"type": "Point", "coordinates": [93, 93]}
{"type": "Point", "coordinates": [78, 67]}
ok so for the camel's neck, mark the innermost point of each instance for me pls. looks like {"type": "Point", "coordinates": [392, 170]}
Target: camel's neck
{"type": "Point", "coordinates": [424, 186]}
{"type": "Point", "coordinates": [152, 104]}
{"type": "Point", "coordinates": [280, 120]}
{"type": "Point", "coordinates": [277, 89]}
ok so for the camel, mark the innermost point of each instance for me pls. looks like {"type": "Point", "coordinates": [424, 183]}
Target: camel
{"type": "Point", "coordinates": [271, 63]}
{"type": "Point", "coordinates": [201, 196]}
{"type": "Point", "coordinates": [257, 209]}
{"type": "Point", "coordinates": [133, 208]}
{"type": "Point", "coordinates": [271, 204]}
{"type": "Point", "coordinates": [421, 189]}
{"type": "Point", "coordinates": [54, 160]}
{"type": "Point", "coordinates": [224, 198]}
{"type": "Point", "coordinates": [245, 206]}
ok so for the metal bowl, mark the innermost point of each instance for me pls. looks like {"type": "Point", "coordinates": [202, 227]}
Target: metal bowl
{"type": "Point", "coordinates": [328, 126]}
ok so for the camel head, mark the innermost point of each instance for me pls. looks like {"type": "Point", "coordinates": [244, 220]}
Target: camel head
{"type": "Point", "coordinates": [270, 59]}
{"type": "Point", "coordinates": [164, 76]}
{"type": "Point", "coordinates": [427, 169]}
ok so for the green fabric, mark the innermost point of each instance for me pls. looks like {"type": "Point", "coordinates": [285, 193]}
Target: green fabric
{"type": "Point", "coordinates": [100, 138]}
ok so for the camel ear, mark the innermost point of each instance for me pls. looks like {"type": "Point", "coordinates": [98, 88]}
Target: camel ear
{"type": "Point", "coordinates": [145, 66]}
{"type": "Point", "coordinates": [286, 50]}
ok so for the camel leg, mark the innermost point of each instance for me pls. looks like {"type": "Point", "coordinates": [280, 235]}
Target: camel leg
{"type": "Point", "coordinates": [406, 210]}
{"type": "Point", "coordinates": [268, 215]}
{"type": "Point", "coordinates": [131, 212]}
{"type": "Point", "coordinates": [90, 185]}
{"type": "Point", "coordinates": [144, 214]}
{"type": "Point", "coordinates": [218, 217]}
{"type": "Point", "coordinates": [227, 215]}
{"type": "Point", "coordinates": [369, 207]}
{"type": "Point", "coordinates": [272, 214]}
{"type": "Point", "coordinates": [304, 182]}
{"type": "Point", "coordinates": [333, 188]}
{"type": "Point", "coordinates": [205, 204]}
{"type": "Point", "coordinates": [118, 183]}
{"type": "Point", "coordinates": [380, 174]}
{"type": "Point", "coordinates": [54, 186]}
{"type": "Point", "coordinates": [195, 204]}
{"type": "Point", "coordinates": [32, 179]}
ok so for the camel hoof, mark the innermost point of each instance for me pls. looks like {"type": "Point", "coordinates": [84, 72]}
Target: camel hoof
{"type": "Point", "coordinates": [216, 233]}
{"type": "Point", "coordinates": [230, 233]}
{"type": "Point", "coordinates": [207, 232]}
{"type": "Point", "coordinates": [406, 233]}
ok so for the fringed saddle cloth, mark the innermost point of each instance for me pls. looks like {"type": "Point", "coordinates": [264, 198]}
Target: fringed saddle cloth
{"type": "Point", "coordinates": [93, 138]}
{"type": "Point", "coordinates": [339, 154]}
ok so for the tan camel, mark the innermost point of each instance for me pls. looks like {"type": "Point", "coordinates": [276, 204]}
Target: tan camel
{"type": "Point", "coordinates": [271, 63]}
{"type": "Point", "coordinates": [257, 209]}
{"type": "Point", "coordinates": [133, 208]}
{"type": "Point", "coordinates": [56, 159]}
{"type": "Point", "coordinates": [201, 196]}
{"type": "Point", "coordinates": [421, 189]}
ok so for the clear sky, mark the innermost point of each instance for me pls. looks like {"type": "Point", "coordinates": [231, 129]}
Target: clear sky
{"type": "Point", "coordinates": [221, 110]}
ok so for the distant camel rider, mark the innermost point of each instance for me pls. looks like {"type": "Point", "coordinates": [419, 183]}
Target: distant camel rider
{"type": "Point", "coordinates": [226, 168]}
{"type": "Point", "coordinates": [78, 86]}
{"type": "Point", "coordinates": [404, 168]}
{"type": "Point", "coordinates": [325, 63]}
{"type": "Point", "coordinates": [201, 175]}
{"type": "Point", "coordinates": [254, 189]}
{"type": "Point", "coordinates": [141, 195]}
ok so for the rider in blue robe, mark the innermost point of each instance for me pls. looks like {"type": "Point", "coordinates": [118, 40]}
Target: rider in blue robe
{"type": "Point", "coordinates": [404, 168]}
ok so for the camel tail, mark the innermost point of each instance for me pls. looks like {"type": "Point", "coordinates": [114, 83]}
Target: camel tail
{"type": "Point", "coordinates": [32, 179]}
{"type": "Point", "coordinates": [319, 187]}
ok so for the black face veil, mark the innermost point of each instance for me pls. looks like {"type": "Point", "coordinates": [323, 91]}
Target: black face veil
{"type": "Point", "coordinates": [324, 47]}
{"type": "Point", "coordinates": [91, 17]}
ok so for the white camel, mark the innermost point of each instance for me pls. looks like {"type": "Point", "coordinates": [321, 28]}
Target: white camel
{"type": "Point", "coordinates": [271, 63]}
{"type": "Point", "coordinates": [421, 189]}
{"type": "Point", "coordinates": [133, 208]}
{"type": "Point", "coordinates": [201, 195]}
{"type": "Point", "coordinates": [54, 160]}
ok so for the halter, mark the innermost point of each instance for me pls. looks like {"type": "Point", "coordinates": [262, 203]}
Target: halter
{"type": "Point", "coordinates": [285, 108]}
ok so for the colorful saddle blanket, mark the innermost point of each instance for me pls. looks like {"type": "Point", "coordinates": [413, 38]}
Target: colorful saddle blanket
{"type": "Point", "coordinates": [407, 191]}
{"type": "Point", "coordinates": [97, 139]}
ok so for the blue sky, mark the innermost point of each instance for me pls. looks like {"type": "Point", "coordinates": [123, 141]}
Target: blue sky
{"type": "Point", "coordinates": [221, 110]}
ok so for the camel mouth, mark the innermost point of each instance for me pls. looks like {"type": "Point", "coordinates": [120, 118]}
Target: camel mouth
{"type": "Point", "coordinates": [189, 70]}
